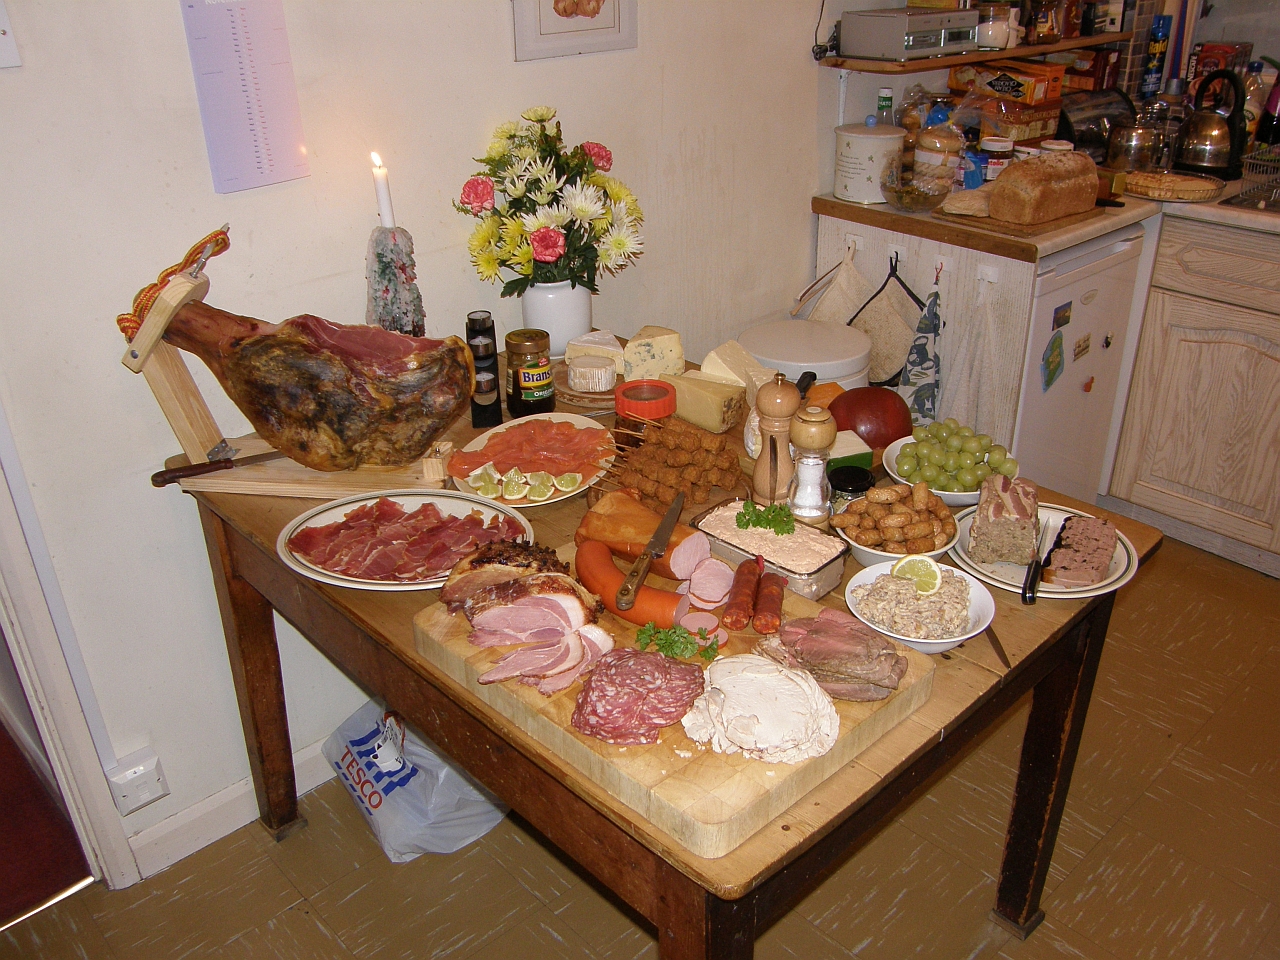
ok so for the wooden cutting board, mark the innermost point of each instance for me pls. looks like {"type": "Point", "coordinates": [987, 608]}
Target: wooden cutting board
{"type": "Point", "coordinates": [710, 802]}
{"type": "Point", "coordinates": [1019, 229]}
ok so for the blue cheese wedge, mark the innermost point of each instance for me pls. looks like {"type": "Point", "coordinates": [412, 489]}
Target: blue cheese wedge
{"type": "Point", "coordinates": [709, 404]}
{"type": "Point", "coordinates": [597, 343]}
{"type": "Point", "coordinates": [652, 352]}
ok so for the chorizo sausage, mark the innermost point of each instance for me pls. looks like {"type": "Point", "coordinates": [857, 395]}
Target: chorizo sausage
{"type": "Point", "coordinates": [741, 606]}
{"type": "Point", "coordinates": [768, 618]}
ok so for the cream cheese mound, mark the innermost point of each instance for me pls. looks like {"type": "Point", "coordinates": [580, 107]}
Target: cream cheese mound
{"type": "Point", "coordinates": [802, 552]}
{"type": "Point", "coordinates": [763, 710]}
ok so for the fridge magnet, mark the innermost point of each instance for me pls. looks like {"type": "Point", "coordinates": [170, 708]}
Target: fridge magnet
{"type": "Point", "coordinates": [1081, 347]}
{"type": "Point", "coordinates": [1051, 362]}
{"type": "Point", "coordinates": [1062, 315]}
{"type": "Point", "coordinates": [565, 28]}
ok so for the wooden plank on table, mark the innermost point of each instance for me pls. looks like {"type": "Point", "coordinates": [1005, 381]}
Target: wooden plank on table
{"type": "Point", "coordinates": [709, 802]}
{"type": "Point", "coordinates": [1018, 229]}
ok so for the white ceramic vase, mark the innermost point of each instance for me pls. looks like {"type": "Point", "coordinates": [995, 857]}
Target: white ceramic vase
{"type": "Point", "coordinates": [561, 309]}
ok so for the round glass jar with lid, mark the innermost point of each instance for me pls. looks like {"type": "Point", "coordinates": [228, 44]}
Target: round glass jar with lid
{"type": "Point", "coordinates": [999, 151]}
{"type": "Point", "coordinates": [530, 387]}
{"type": "Point", "coordinates": [993, 26]}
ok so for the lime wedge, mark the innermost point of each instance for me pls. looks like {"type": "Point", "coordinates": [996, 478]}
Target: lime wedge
{"type": "Point", "coordinates": [568, 481]}
{"type": "Point", "coordinates": [514, 489]}
{"type": "Point", "coordinates": [923, 570]}
{"type": "Point", "coordinates": [540, 491]}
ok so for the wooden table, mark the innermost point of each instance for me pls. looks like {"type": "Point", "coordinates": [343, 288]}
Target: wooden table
{"type": "Point", "coordinates": [701, 907]}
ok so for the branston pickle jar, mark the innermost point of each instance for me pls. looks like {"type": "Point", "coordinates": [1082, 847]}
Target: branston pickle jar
{"type": "Point", "coordinates": [530, 387]}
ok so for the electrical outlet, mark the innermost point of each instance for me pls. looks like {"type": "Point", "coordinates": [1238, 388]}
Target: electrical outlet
{"type": "Point", "coordinates": [138, 781]}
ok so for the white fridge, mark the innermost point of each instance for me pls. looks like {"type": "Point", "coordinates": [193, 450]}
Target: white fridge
{"type": "Point", "coordinates": [1086, 314]}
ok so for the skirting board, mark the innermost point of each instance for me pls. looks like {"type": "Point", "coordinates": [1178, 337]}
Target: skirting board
{"type": "Point", "coordinates": [1242, 553]}
{"type": "Point", "coordinates": [217, 816]}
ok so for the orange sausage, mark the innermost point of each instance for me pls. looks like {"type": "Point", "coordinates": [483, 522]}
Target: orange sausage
{"type": "Point", "coordinates": [599, 574]}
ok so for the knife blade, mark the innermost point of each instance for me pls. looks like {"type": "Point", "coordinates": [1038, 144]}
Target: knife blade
{"type": "Point", "coordinates": [1030, 583]}
{"type": "Point", "coordinates": [657, 546]}
{"type": "Point", "coordinates": [166, 477]}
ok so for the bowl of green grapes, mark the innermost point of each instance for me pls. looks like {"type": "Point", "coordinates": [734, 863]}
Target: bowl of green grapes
{"type": "Point", "coordinates": [951, 458]}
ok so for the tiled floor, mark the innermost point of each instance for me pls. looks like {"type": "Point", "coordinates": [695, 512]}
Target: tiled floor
{"type": "Point", "coordinates": [1170, 844]}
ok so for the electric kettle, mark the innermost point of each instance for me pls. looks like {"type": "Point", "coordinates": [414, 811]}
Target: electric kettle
{"type": "Point", "coordinates": [1208, 142]}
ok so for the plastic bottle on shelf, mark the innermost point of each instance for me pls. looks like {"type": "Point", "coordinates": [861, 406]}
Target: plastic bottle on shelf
{"type": "Point", "coordinates": [884, 107]}
{"type": "Point", "coordinates": [1255, 97]}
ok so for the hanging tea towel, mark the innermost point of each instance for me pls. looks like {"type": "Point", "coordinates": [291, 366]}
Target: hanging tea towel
{"type": "Point", "coordinates": [922, 375]}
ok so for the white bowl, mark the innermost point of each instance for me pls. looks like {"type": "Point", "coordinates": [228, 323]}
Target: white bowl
{"type": "Point", "coordinates": [950, 499]}
{"type": "Point", "coordinates": [982, 610]}
{"type": "Point", "coordinates": [870, 556]}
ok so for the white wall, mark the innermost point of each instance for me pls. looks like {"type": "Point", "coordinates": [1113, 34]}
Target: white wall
{"type": "Point", "coordinates": [718, 121]}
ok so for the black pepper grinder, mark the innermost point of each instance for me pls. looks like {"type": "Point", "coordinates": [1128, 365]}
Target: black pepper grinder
{"type": "Point", "coordinates": [486, 403]}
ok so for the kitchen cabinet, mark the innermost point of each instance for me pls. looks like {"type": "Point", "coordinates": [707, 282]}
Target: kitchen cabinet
{"type": "Point", "coordinates": [1201, 434]}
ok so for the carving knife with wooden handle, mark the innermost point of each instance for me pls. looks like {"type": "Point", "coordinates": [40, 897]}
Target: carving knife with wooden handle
{"type": "Point", "coordinates": [166, 477]}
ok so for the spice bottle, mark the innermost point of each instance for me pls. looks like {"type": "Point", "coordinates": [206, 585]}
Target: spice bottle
{"type": "Point", "coordinates": [486, 401]}
{"type": "Point", "coordinates": [813, 431]}
{"type": "Point", "coordinates": [530, 388]}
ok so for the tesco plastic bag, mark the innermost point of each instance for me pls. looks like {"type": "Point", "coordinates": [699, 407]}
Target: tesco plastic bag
{"type": "Point", "coordinates": [415, 800]}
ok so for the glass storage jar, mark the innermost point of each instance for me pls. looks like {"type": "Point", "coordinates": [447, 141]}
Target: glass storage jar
{"type": "Point", "coordinates": [993, 26]}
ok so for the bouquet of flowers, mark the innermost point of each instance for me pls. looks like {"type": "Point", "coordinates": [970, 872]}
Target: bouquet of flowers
{"type": "Point", "coordinates": [545, 214]}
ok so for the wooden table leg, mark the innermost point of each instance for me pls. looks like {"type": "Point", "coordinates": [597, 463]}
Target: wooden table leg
{"type": "Point", "coordinates": [696, 925]}
{"type": "Point", "coordinates": [255, 667]}
{"type": "Point", "coordinates": [1058, 706]}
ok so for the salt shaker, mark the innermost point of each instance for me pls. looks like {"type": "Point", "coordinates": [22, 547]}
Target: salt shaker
{"type": "Point", "coordinates": [813, 431]}
{"type": "Point", "coordinates": [776, 402]}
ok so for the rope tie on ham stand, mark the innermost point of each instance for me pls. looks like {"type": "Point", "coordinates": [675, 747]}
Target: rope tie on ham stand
{"type": "Point", "coordinates": [129, 323]}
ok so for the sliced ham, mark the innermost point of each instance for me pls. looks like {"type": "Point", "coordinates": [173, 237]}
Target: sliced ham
{"type": "Point", "coordinates": [531, 658]}
{"type": "Point", "coordinates": [597, 643]}
{"type": "Point", "coordinates": [687, 554]}
{"type": "Point", "coordinates": [711, 580]}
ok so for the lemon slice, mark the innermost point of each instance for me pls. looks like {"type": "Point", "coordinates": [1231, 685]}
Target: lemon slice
{"type": "Point", "coordinates": [490, 490]}
{"type": "Point", "coordinates": [540, 491]}
{"type": "Point", "coordinates": [926, 574]}
{"type": "Point", "coordinates": [540, 478]}
{"type": "Point", "coordinates": [514, 489]}
{"type": "Point", "coordinates": [487, 473]}
{"type": "Point", "coordinates": [568, 481]}
{"type": "Point", "coordinates": [515, 474]}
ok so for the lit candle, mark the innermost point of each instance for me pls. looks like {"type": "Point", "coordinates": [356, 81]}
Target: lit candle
{"type": "Point", "coordinates": [383, 189]}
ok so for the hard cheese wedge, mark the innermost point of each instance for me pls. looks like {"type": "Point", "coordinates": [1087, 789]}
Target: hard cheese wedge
{"type": "Point", "coordinates": [731, 363]}
{"type": "Point", "coordinates": [597, 343]}
{"type": "Point", "coordinates": [709, 404]}
{"type": "Point", "coordinates": [652, 352]}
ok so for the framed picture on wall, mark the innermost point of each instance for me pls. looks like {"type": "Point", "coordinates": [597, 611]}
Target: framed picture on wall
{"type": "Point", "coordinates": [565, 28]}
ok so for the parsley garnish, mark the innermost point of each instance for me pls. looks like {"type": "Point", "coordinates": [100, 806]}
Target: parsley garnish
{"type": "Point", "coordinates": [677, 642]}
{"type": "Point", "coordinates": [777, 518]}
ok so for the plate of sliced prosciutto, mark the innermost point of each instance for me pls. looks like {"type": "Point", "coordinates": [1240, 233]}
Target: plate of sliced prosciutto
{"type": "Point", "coordinates": [535, 460]}
{"type": "Point", "coordinates": [397, 540]}
{"type": "Point", "coordinates": [1086, 556]}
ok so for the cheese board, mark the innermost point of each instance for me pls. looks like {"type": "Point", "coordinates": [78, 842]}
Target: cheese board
{"type": "Point", "coordinates": [709, 802]}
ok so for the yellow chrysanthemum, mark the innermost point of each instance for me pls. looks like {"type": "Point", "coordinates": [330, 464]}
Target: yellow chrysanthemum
{"type": "Point", "coordinates": [539, 114]}
{"type": "Point", "coordinates": [484, 235]}
{"type": "Point", "coordinates": [512, 232]}
{"type": "Point", "coordinates": [522, 259]}
{"type": "Point", "coordinates": [487, 264]}
{"type": "Point", "coordinates": [497, 150]}
{"type": "Point", "coordinates": [506, 131]}
{"type": "Point", "coordinates": [634, 211]}
{"type": "Point", "coordinates": [600, 226]}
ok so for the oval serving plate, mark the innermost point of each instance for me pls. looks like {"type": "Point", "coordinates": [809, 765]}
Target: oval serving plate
{"type": "Point", "coordinates": [1009, 576]}
{"type": "Point", "coordinates": [982, 609]}
{"type": "Point", "coordinates": [588, 480]}
{"type": "Point", "coordinates": [447, 501]}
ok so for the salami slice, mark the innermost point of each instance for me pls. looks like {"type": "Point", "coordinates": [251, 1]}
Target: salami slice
{"type": "Point", "coordinates": [632, 694]}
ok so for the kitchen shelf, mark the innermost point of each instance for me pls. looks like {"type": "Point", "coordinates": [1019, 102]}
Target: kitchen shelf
{"type": "Point", "coordinates": [862, 65]}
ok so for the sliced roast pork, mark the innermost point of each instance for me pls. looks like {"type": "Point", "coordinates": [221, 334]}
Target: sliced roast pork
{"type": "Point", "coordinates": [847, 658]}
{"type": "Point", "coordinates": [496, 563]}
{"type": "Point", "coordinates": [1082, 553]}
{"type": "Point", "coordinates": [561, 588]}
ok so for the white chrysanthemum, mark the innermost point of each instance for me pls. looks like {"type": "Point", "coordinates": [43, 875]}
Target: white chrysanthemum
{"type": "Point", "coordinates": [584, 202]}
{"type": "Point", "coordinates": [543, 169]}
{"type": "Point", "coordinates": [514, 187]}
{"type": "Point", "coordinates": [526, 151]}
{"type": "Point", "coordinates": [506, 131]}
{"type": "Point", "coordinates": [551, 215]}
{"type": "Point", "coordinates": [620, 244]}
{"type": "Point", "coordinates": [539, 114]}
{"type": "Point", "coordinates": [619, 215]}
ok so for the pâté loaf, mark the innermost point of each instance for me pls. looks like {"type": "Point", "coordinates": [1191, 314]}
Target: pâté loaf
{"type": "Point", "coordinates": [1006, 522]}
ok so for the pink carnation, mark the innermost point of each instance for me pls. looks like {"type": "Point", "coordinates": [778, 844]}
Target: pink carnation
{"type": "Point", "coordinates": [477, 195]}
{"type": "Point", "coordinates": [599, 155]}
{"type": "Point", "coordinates": [548, 244]}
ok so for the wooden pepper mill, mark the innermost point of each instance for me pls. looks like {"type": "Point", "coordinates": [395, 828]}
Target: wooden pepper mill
{"type": "Point", "coordinates": [776, 403]}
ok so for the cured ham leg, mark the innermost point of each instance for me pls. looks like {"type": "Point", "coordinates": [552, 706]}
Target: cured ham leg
{"type": "Point", "coordinates": [331, 397]}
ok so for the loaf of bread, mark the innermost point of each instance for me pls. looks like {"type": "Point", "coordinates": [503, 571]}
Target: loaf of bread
{"type": "Point", "coordinates": [1045, 188]}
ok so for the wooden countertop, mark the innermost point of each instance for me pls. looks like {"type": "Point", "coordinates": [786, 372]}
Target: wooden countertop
{"type": "Point", "coordinates": [975, 238]}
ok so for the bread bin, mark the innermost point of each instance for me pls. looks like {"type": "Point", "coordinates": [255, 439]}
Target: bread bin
{"type": "Point", "coordinates": [863, 151]}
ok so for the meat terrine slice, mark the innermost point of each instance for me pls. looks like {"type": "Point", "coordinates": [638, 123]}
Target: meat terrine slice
{"type": "Point", "coordinates": [1006, 522]}
{"type": "Point", "coordinates": [1082, 553]}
